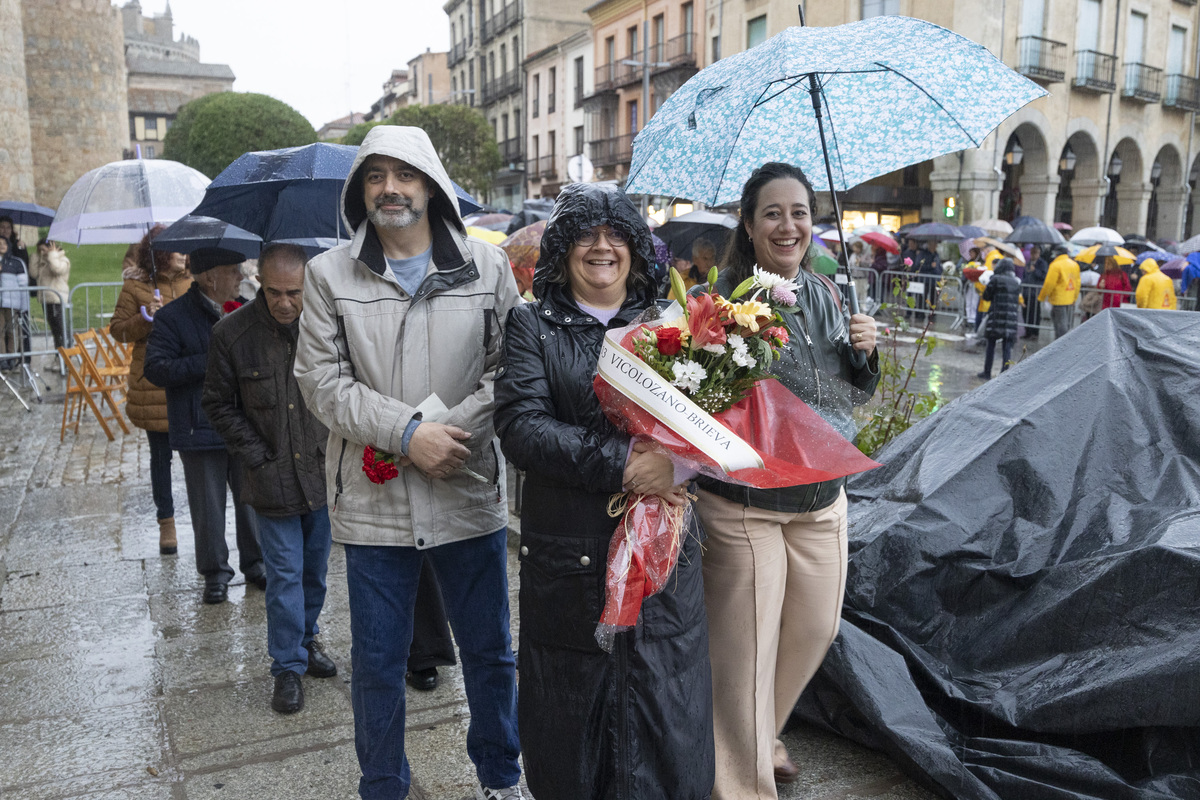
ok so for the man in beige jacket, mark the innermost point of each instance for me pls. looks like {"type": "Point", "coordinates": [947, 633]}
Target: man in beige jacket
{"type": "Point", "coordinates": [399, 344]}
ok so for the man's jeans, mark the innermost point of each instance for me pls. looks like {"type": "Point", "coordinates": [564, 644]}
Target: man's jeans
{"type": "Point", "coordinates": [295, 555]}
{"type": "Point", "coordinates": [1062, 317]}
{"type": "Point", "coordinates": [383, 586]}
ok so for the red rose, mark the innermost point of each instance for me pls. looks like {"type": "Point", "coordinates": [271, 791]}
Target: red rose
{"type": "Point", "coordinates": [670, 340]}
{"type": "Point", "coordinates": [231, 306]}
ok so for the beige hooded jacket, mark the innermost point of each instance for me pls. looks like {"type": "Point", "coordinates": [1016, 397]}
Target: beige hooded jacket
{"type": "Point", "coordinates": [368, 354]}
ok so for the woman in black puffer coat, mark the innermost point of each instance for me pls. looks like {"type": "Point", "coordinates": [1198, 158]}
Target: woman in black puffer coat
{"type": "Point", "coordinates": [636, 723]}
{"type": "Point", "coordinates": [1004, 292]}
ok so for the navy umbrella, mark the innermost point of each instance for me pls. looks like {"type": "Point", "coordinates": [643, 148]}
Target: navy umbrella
{"type": "Point", "coordinates": [292, 194]}
{"type": "Point", "coordinates": [27, 213]}
{"type": "Point", "coordinates": [1034, 231]}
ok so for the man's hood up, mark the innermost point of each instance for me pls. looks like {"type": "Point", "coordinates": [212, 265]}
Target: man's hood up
{"type": "Point", "coordinates": [412, 146]}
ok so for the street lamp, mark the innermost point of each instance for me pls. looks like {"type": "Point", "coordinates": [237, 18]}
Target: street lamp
{"type": "Point", "coordinates": [1155, 172]}
{"type": "Point", "coordinates": [1015, 154]}
{"type": "Point", "coordinates": [1114, 166]}
{"type": "Point", "coordinates": [1067, 162]}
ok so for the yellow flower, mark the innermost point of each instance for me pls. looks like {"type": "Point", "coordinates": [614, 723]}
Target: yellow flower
{"type": "Point", "coordinates": [747, 314]}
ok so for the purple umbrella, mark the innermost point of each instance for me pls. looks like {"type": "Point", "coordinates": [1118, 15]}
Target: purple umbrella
{"type": "Point", "coordinates": [1174, 268]}
{"type": "Point", "coordinates": [662, 253]}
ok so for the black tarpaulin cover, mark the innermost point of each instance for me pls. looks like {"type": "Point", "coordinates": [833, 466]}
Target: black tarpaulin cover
{"type": "Point", "coordinates": [1022, 612]}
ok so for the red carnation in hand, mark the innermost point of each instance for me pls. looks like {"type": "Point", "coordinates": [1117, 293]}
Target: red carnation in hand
{"type": "Point", "coordinates": [670, 340]}
{"type": "Point", "coordinates": [780, 335]}
{"type": "Point", "coordinates": [378, 467]}
{"type": "Point", "coordinates": [231, 306]}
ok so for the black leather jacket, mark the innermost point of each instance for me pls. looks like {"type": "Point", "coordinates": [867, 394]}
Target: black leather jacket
{"type": "Point", "coordinates": [253, 401]}
{"type": "Point", "coordinates": [821, 368]}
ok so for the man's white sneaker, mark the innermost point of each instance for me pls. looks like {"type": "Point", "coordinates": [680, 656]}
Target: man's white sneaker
{"type": "Point", "coordinates": [511, 793]}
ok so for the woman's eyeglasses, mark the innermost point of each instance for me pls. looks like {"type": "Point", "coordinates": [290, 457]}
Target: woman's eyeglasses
{"type": "Point", "coordinates": [588, 237]}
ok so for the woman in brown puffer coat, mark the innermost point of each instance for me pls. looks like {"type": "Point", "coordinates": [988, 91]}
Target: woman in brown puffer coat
{"type": "Point", "coordinates": [146, 404]}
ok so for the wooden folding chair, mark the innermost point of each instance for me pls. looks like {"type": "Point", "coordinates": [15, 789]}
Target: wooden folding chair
{"type": "Point", "coordinates": [83, 383]}
{"type": "Point", "coordinates": [103, 361]}
{"type": "Point", "coordinates": [120, 353]}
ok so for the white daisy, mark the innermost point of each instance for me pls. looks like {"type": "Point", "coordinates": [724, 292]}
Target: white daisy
{"type": "Point", "coordinates": [688, 375]}
{"type": "Point", "coordinates": [769, 280]}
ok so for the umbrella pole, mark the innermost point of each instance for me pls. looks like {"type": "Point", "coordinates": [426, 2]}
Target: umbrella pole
{"type": "Point", "coordinates": [815, 91]}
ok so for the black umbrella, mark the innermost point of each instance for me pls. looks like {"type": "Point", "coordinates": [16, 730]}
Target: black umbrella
{"type": "Point", "coordinates": [934, 232]}
{"type": "Point", "coordinates": [680, 233]}
{"type": "Point", "coordinates": [192, 233]}
{"type": "Point", "coordinates": [1034, 231]}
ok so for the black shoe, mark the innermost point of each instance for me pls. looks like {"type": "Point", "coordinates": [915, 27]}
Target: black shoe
{"type": "Point", "coordinates": [984, 375]}
{"type": "Point", "coordinates": [289, 693]}
{"type": "Point", "coordinates": [319, 664]}
{"type": "Point", "coordinates": [215, 593]}
{"type": "Point", "coordinates": [257, 576]}
{"type": "Point", "coordinates": [423, 680]}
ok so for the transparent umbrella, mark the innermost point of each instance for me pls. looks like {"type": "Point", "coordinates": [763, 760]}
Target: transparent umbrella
{"type": "Point", "coordinates": [119, 202]}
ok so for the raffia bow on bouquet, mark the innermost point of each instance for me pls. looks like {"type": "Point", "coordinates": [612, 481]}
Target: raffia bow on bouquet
{"type": "Point", "coordinates": [696, 383]}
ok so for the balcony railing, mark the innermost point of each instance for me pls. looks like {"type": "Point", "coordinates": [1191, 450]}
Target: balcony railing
{"type": "Point", "coordinates": [677, 52]}
{"type": "Point", "coordinates": [512, 151]}
{"type": "Point", "coordinates": [1187, 2]}
{"type": "Point", "coordinates": [545, 168]}
{"type": "Point", "coordinates": [1042, 59]}
{"type": "Point", "coordinates": [506, 84]}
{"type": "Point", "coordinates": [550, 97]}
{"type": "Point", "coordinates": [457, 54]}
{"type": "Point", "coordinates": [615, 74]}
{"type": "Point", "coordinates": [1095, 72]}
{"type": "Point", "coordinates": [609, 152]}
{"type": "Point", "coordinates": [1183, 93]}
{"type": "Point", "coordinates": [1143, 82]}
{"type": "Point", "coordinates": [536, 105]}
{"type": "Point", "coordinates": [578, 96]}
{"type": "Point", "coordinates": [497, 23]}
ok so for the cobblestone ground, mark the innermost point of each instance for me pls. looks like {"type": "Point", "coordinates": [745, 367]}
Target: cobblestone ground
{"type": "Point", "coordinates": [117, 683]}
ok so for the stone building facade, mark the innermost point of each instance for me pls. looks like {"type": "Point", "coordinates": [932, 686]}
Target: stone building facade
{"type": "Point", "coordinates": [76, 93]}
{"type": "Point", "coordinates": [1114, 142]}
{"type": "Point", "coordinates": [16, 153]}
{"type": "Point", "coordinates": [428, 79]}
{"type": "Point", "coordinates": [164, 73]}
{"type": "Point", "coordinates": [557, 79]}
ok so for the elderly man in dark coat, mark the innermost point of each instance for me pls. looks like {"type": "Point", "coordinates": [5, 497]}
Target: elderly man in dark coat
{"type": "Point", "coordinates": [252, 399]}
{"type": "Point", "coordinates": [176, 360]}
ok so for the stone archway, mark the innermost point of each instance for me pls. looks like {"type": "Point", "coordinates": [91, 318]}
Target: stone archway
{"type": "Point", "coordinates": [1168, 196]}
{"type": "Point", "coordinates": [1029, 184]}
{"type": "Point", "coordinates": [1077, 200]}
{"type": "Point", "coordinates": [1129, 191]}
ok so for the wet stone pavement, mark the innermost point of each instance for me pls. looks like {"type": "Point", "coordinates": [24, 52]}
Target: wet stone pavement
{"type": "Point", "coordinates": [117, 683]}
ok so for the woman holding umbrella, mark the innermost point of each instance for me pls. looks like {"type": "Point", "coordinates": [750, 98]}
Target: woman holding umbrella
{"type": "Point", "coordinates": [152, 279]}
{"type": "Point", "coordinates": [775, 561]}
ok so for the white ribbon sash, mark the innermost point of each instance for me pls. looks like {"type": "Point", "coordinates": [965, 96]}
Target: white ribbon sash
{"type": "Point", "coordinates": [634, 379]}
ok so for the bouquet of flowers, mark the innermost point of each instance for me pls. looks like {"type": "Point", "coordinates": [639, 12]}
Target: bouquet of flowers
{"type": "Point", "coordinates": [696, 383]}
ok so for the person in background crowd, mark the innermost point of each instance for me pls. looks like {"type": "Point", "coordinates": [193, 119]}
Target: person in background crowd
{"type": "Point", "coordinates": [177, 359]}
{"type": "Point", "coordinates": [14, 307]}
{"type": "Point", "coordinates": [1190, 282]}
{"type": "Point", "coordinates": [152, 278]}
{"type": "Point", "coordinates": [405, 323]}
{"type": "Point", "coordinates": [1154, 290]}
{"type": "Point", "coordinates": [1114, 283]}
{"type": "Point", "coordinates": [879, 259]}
{"type": "Point", "coordinates": [858, 256]}
{"type": "Point", "coordinates": [16, 247]}
{"type": "Point", "coordinates": [1031, 284]}
{"type": "Point", "coordinates": [52, 270]}
{"type": "Point", "coordinates": [588, 718]}
{"type": "Point", "coordinates": [252, 400]}
{"type": "Point", "coordinates": [1003, 293]}
{"type": "Point", "coordinates": [775, 559]}
{"type": "Point", "coordinates": [930, 270]}
{"type": "Point", "coordinates": [1062, 288]}
{"type": "Point", "coordinates": [704, 258]}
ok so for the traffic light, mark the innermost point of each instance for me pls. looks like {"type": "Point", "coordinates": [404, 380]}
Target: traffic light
{"type": "Point", "coordinates": [951, 204]}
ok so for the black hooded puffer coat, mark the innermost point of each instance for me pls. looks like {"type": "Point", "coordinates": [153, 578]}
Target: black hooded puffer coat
{"type": "Point", "coordinates": [1004, 292]}
{"type": "Point", "coordinates": [635, 724]}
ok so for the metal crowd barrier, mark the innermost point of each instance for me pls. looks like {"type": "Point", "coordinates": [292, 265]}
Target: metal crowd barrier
{"type": "Point", "coordinates": [91, 305]}
{"type": "Point", "coordinates": [942, 296]}
{"type": "Point", "coordinates": [25, 336]}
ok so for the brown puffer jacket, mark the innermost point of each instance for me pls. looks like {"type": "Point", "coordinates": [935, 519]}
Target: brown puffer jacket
{"type": "Point", "coordinates": [146, 403]}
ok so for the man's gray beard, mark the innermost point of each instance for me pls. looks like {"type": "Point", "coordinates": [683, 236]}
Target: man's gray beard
{"type": "Point", "coordinates": [397, 220]}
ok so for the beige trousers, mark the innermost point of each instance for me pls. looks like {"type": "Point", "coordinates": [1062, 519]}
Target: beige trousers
{"type": "Point", "coordinates": [773, 587]}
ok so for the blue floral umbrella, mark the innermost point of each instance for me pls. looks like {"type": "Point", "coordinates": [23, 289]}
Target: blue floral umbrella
{"type": "Point", "coordinates": [893, 91]}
